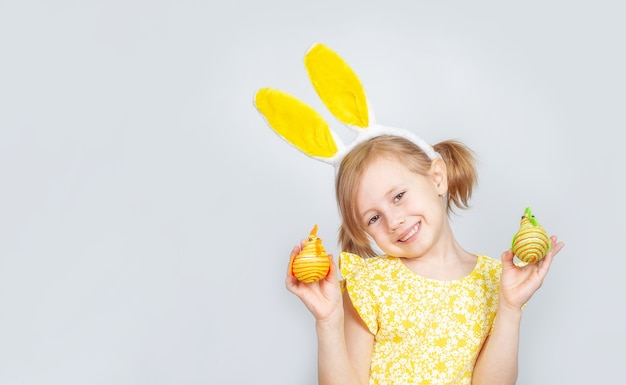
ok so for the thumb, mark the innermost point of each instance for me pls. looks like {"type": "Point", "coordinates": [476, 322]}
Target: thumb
{"type": "Point", "coordinates": [507, 259]}
{"type": "Point", "coordinates": [332, 270]}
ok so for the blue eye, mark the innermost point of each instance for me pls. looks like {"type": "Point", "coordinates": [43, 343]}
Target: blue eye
{"type": "Point", "coordinates": [373, 219]}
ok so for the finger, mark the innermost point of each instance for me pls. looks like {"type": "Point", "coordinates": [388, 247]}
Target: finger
{"type": "Point", "coordinates": [290, 280]}
{"type": "Point", "coordinates": [291, 284]}
{"type": "Point", "coordinates": [555, 246]}
{"type": "Point", "coordinates": [332, 276]}
{"type": "Point", "coordinates": [294, 252]}
{"type": "Point", "coordinates": [331, 267]}
{"type": "Point", "coordinates": [543, 266]}
{"type": "Point", "coordinates": [507, 258]}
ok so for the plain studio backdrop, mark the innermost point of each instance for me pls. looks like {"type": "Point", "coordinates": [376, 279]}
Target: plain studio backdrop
{"type": "Point", "coordinates": [147, 211]}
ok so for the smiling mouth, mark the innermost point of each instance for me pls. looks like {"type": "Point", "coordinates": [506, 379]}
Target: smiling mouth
{"type": "Point", "coordinates": [412, 231]}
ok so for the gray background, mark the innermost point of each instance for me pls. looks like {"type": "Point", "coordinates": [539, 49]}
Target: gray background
{"type": "Point", "coordinates": [147, 212]}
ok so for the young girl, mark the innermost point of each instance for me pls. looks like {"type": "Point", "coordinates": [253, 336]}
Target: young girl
{"type": "Point", "coordinates": [421, 310]}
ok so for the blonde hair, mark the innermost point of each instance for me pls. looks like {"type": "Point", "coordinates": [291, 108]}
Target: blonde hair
{"type": "Point", "coordinates": [461, 175]}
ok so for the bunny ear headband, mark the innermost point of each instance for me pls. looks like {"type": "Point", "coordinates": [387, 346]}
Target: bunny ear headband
{"type": "Point", "coordinates": [342, 93]}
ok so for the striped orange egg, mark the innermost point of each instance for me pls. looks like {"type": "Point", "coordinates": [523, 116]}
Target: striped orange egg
{"type": "Point", "coordinates": [312, 263]}
{"type": "Point", "coordinates": [531, 242]}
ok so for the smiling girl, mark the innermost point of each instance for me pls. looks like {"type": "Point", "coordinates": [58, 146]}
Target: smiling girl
{"type": "Point", "coordinates": [423, 310]}
{"type": "Point", "coordinates": [413, 306]}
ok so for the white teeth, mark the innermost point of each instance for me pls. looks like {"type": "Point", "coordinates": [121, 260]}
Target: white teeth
{"type": "Point", "coordinates": [410, 234]}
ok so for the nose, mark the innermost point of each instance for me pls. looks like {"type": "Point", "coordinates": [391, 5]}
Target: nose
{"type": "Point", "coordinates": [397, 223]}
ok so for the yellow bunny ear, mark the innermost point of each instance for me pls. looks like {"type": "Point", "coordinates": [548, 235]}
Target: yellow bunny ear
{"type": "Point", "coordinates": [297, 123]}
{"type": "Point", "coordinates": [338, 86]}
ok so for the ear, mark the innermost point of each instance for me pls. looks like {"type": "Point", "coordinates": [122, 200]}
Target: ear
{"type": "Point", "coordinates": [338, 87]}
{"type": "Point", "coordinates": [439, 175]}
{"type": "Point", "coordinates": [297, 123]}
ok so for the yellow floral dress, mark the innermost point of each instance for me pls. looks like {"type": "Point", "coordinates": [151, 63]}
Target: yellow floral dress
{"type": "Point", "coordinates": [426, 331]}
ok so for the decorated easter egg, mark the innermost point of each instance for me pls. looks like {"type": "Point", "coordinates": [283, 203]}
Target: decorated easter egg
{"type": "Point", "coordinates": [312, 263]}
{"type": "Point", "coordinates": [531, 242]}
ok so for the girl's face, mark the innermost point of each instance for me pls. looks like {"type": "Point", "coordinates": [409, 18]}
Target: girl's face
{"type": "Point", "coordinates": [401, 210]}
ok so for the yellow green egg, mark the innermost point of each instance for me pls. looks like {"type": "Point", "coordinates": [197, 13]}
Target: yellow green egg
{"type": "Point", "coordinates": [531, 242]}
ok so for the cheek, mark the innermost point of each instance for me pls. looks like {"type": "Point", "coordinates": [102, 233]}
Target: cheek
{"type": "Point", "coordinates": [378, 235]}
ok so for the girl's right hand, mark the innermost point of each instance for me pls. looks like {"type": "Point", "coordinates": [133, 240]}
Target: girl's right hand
{"type": "Point", "coordinates": [322, 298]}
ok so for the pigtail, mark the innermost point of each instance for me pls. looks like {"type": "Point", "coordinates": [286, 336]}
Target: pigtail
{"type": "Point", "coordinates": [461, 170]}
{"type": "Point", "coordinates": [351, 244]}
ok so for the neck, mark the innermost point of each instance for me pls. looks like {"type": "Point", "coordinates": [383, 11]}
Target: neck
{"type": "Point", "coordinates": [447, 260]}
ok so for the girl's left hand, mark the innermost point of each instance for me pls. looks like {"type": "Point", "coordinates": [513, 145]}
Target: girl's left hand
{"type": "Point", "coordinates": [519, 283]}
